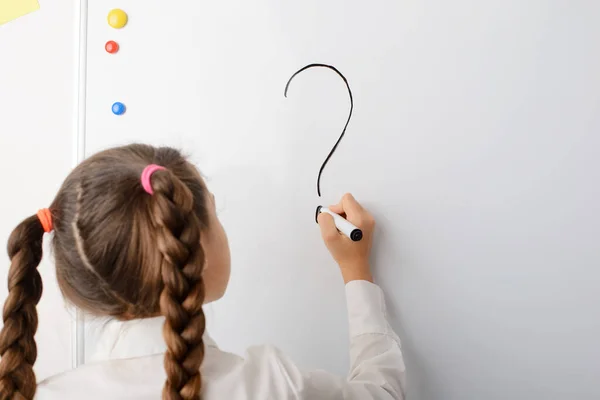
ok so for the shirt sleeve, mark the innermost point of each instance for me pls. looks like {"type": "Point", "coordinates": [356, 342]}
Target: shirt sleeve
{"type": "Point", "coordinates": [377, 369]}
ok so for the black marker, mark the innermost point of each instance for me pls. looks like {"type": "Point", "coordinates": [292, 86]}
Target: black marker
{"type": "Point", "coordinates": [342, 224]}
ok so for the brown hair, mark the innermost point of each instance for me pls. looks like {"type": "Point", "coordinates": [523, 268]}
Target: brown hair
{"type": "Point", "coordinates": [110, 236]}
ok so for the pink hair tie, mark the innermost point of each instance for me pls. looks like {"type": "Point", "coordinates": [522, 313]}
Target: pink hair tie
{"type": "Point", "coordinates": [147, 174]}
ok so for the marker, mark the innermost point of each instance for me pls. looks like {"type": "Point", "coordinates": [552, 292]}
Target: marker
{"type": "Point", "coordinates": [342, 224]}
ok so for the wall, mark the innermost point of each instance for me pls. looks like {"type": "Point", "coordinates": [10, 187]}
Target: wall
{"type": "Point", "coordinates": [36, 148]}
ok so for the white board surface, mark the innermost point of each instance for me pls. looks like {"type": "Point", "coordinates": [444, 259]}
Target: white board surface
{"type": "Point", "coordinates": [474, 141]}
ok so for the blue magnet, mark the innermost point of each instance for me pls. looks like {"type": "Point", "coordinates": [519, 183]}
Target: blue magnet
{"type": "Point", "coordinates": [118, 108]}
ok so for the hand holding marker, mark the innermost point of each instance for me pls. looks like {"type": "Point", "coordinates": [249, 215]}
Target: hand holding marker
{"type": "Point", "coordinates": [342, 224]}
{"type": "Point", "coordinates": [351, 256]}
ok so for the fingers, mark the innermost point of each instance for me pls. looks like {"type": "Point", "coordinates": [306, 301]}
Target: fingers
{"type": "Point", "coordinates": [338, 209]}
{"type": "Point", "coordinates": [350, 205]}
{"type": "Point", "coordinates": [347, 204]}
{"type": "Point", "coordinates": [329, 231]}
{"type": "Point", "coordinates": [351, 209]}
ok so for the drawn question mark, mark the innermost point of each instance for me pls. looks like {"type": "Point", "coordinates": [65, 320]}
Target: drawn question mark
{"type": "Point", "coordinates": [347, 122]}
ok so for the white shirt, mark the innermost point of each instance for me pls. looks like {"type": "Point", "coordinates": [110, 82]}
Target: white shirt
{"type": "Point", "coordinates": [129, 364]}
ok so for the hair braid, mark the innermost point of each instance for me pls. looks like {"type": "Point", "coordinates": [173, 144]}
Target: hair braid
{"type": "Point", "coordinates": [178, 241]}
{"type": "Point", "coordinates": [17, 344]}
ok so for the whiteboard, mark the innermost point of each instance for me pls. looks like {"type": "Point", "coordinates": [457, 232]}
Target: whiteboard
{"type": "Point", "coordinates": [474, 141]}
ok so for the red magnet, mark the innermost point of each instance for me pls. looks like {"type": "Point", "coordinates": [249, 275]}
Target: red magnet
{"type": "Point", "coordinates": [111, 47]}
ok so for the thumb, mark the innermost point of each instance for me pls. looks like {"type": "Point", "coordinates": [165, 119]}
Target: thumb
{"type": "Point", "coordinates": [329, 231]}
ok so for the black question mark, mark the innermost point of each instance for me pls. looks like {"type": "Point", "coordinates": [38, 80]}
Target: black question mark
{"type": "Point", "coordinates": [347, 122]}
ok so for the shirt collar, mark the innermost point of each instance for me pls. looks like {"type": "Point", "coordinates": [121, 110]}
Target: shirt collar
{"type": "Point", "coordinates": [130, 339]}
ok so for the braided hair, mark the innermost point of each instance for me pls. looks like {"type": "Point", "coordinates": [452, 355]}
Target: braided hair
{"type": "Point", "coordinates": [110, 235]}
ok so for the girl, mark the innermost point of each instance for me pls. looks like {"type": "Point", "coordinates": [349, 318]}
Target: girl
{"type": "Point", "coordinates": [136, 238]}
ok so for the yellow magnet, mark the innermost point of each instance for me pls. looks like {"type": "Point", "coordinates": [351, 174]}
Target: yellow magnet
{"type": "Point", "coordinates": [117, 18]}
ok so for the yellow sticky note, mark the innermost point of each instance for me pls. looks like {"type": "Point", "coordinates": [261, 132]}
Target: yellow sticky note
{"type": "Point", "coordinates": [12, 9]}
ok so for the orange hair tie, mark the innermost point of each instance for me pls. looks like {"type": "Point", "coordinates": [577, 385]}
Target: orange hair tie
{"type": "Point", "coordinates": [45, 217]}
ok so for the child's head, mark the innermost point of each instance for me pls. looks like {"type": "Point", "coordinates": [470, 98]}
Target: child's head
{"type": "Point", "coordinates": [125, 253]}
